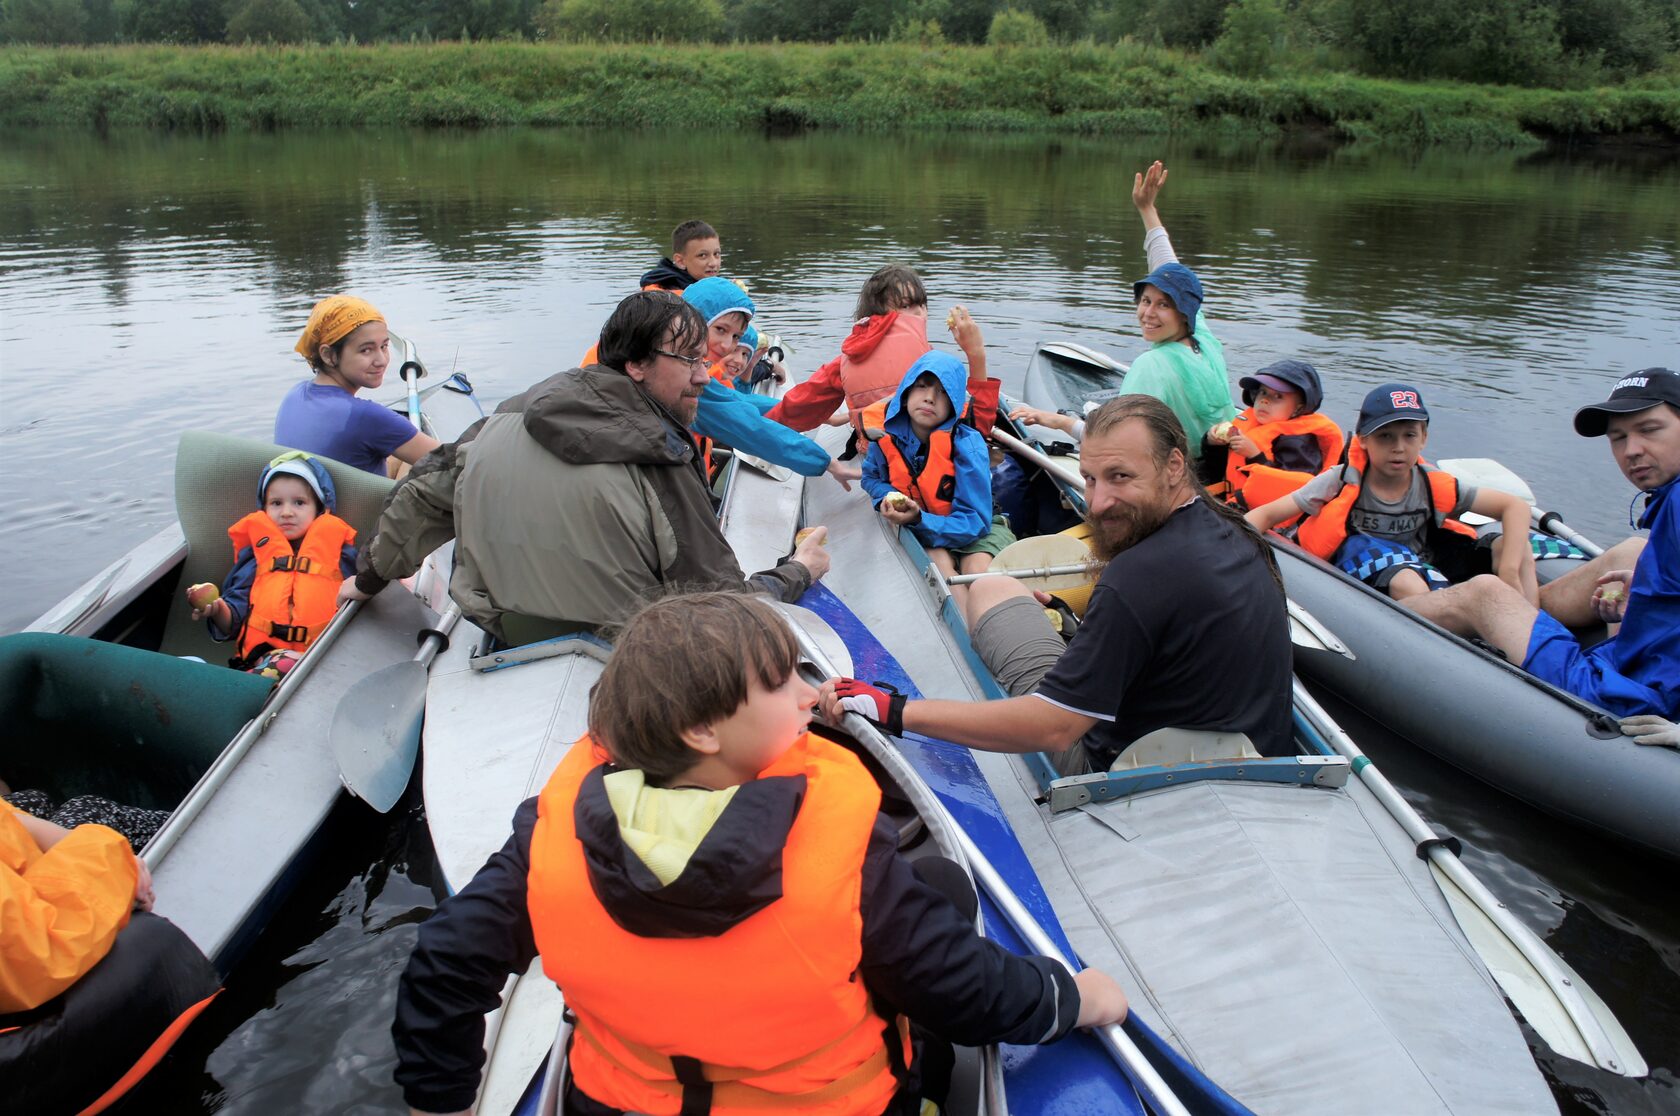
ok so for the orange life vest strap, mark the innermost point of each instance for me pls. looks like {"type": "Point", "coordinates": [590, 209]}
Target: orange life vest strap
{"type": "Point", "coordinates": [724, 1082]}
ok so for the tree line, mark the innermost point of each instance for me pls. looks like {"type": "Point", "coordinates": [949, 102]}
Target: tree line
{"type": "Point", "coordinates": [1563, 43]}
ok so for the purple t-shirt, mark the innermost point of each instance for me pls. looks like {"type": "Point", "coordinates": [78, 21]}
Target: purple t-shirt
{"type": "Point", "coordinates": [328, 420]}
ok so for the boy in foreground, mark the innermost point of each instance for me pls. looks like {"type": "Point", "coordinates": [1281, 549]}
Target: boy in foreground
{"type": "Point", "coordinates": [696, 253]}
{"type": "Point", "coordinates": [707, 881]}
{"type": "Point", "coordinates": [1383, 518]}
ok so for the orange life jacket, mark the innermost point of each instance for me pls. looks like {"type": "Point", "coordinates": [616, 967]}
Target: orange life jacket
{"type": "Point", "coordinates": [1324, 533]}
{"type": "Point", "coordinates": [874, 359]}
{"type": "Point", "coordinates": [772, 1009]}
{"type": "Point", "coordinates": [932, 488]}
{"type": "Point", "coordinates": [1240, 473]}
{"type": "Point", "coordinates": [294, 595]}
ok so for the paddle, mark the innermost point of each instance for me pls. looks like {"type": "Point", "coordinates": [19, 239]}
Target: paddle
{"type": "Point", "coordinates": [376, 730]}
{"type": "Point", "coordinates": [1115, 1040]}
{"type": "Point", "coordinates": [1557, 1003]}
{"type": "Point", "coordinates": [1485, 472]}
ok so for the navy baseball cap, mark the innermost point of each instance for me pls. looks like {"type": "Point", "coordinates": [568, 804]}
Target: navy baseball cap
{"type": "Point", "coordinates": [1390, 403]}
{"type": "Point", "coordinates": [1178, 283]}
{"type": "Point", "coordinates": [1285, 375]}
{"type": "Point", "coordinates": [1639, 392]}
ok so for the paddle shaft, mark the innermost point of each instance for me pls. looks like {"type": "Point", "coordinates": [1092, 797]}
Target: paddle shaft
{"type": "Point", "coordinates": [1032, 571]}
{"type": "Point", "coordinates": [1553, 524]}
{"type": "Point", "coordinates": [1114, 1039]}
{"type": "Point", "coordinates": [1533, 950]}
{"type": "Point", "coordinates": [1058, 469]}
{"type": "Point", "coordinates": [201, 794]}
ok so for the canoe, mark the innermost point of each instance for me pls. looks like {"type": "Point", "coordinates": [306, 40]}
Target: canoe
{"type": "Point", "coordinates": [125, 696]}
{"type": "Point", "coordinates": [1274, 900]}
{"type": "Point", "coordinates": [1447, 695]}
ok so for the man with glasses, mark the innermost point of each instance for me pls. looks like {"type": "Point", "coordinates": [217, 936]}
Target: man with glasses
{"type": "Point", "coordinates": [582, 496]}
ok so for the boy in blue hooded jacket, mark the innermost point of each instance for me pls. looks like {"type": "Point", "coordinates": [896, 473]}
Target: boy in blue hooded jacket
{"type": "Point", "coordinates": [930, 470]}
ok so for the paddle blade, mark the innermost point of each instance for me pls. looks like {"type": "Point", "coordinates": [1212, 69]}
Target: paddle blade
{"type": "Point", "coordinates": [376, 733]}
{"type": "Point", "coordinates": [1526, 988]}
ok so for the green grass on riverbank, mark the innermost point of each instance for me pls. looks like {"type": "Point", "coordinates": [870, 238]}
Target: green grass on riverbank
{"type": "Point", "coordinates": [1086, 89]}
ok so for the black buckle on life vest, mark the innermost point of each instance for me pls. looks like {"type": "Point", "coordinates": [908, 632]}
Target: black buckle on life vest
{"type": "Point", "coordinates": [291, 633]}
{"type": "Point", "coordinates": [697, 1091]}
{"type": "Point", "coordinates": [294, 563]}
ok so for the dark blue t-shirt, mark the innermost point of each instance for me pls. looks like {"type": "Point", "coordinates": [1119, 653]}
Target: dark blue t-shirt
{"type": "Point", "coordinates": [323, 419]}
{"type": "Point", "coordinates": [1186, 629]}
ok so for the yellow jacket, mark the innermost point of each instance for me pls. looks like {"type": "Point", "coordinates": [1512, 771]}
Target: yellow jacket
{"type": "Point", "coordinates": [61, 909]}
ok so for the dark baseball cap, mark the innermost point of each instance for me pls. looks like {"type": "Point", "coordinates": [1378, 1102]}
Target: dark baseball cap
{"type": "Point", "coordinates": [1285, 375]}
{"type": "Point", "coordinates": [1390, 403]}
{"type": "Point", "coordinates": [1639, 392]}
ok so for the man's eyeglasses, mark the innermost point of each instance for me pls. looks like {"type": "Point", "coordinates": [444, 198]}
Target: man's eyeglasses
{"type": "Point", "coordinates": [692, 362]}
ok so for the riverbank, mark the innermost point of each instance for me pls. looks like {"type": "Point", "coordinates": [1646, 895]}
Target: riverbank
{"type": "Point", "coordinates": [1125, 89]}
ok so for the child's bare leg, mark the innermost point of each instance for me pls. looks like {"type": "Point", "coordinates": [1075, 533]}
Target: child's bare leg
{"type": "Point", "coordinates": [972, 564]}
{"type": "Point", "coordinates": [1407, 583]}
{"type": "Point", "coordinates": [947, 565]}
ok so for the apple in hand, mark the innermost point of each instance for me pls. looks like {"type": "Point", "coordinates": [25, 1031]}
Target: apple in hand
{"type": "Point", "coordinates": [203, 595]}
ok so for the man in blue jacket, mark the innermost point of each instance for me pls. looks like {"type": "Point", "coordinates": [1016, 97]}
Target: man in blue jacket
{"type": "Point", "coordinates": [1634, 586]}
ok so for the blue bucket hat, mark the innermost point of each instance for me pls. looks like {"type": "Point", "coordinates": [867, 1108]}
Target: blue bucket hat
{"type": "Point", "coordinates": [716, 296]}
{"type": "Point", "coordinates": [1178, 283]}
{"type": "Point", "coordinates": [296, 463]}
{"type": "Point", "coordinates": [1390, 403]}
{"type": "Point", "coordinates": [1285, 375]}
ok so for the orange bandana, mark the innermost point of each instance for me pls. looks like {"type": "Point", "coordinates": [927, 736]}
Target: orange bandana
{"type": "Point", "coordinates": [332, 321]}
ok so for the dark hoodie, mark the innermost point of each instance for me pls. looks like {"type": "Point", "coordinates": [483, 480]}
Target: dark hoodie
{"type": "Point", "coordinates": [573, 503]}
{"type": "Point", "coordinates": [921, 955]}
{"type": "Point", "coordinates": [666, 276]}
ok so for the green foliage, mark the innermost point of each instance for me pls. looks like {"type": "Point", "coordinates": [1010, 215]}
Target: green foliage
{"type": "Point", "coordinates": [632, 21]}
{"type": "Point", "coordinates": [1125, 89]}
{"type": "Point", "coordinates": [268, 21]}
{"type": "Point", "coordinates": [923, 32]}
{"type": "Point", "coordinates": [1012, 28]}
{"type": "Point", "coordinates": [176, 21]}
{"type": "Point", "coordinates": [44, 21]}
{"type": "Point", "coordinates": [1252, 39]}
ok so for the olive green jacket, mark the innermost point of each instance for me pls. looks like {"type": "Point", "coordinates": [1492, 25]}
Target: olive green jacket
{"type": "Point", "coordinates": [574, 502]}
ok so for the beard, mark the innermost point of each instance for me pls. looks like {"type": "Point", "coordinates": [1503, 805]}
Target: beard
{"type": "Point", "coordinates": [1122, 527]}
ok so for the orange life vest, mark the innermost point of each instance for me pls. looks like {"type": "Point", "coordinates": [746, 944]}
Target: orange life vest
{"type": "Point", "coordinates": [1324, 533]}
{"type": "Point", "coordinates": [1240, 473]}
{"type": "Point", "coordinates": [932, 488]}
{"type": "Point", "coordinates": [875, 374]}
{"type": "Point", "coordinates": [772, 1009]}
{"type": "Point", "coordinates": [294, 595]}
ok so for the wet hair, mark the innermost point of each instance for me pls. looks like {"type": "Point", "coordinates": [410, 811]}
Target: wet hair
{"type": "Point", "coordinates": [688, 232]}
{"type": "Point", "coordinates": [1166, 434]}
{"type": "Point", "coordinates": [893, 287]}
{"type": "Point", "coordinates": [682, 662]}
{"type": "Point", "coordinates": [639, 324]}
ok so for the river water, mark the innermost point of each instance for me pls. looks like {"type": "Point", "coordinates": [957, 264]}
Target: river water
{"type": "Point", "coordinates": [152, 284]}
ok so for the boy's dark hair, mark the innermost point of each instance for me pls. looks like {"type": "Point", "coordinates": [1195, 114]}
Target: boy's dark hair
{"type": "Point", "coordinates": [639, 324]}
{"type": "Point", "coordinates": [893, 287]}
{"type": "Point", "coordinates": [688, 232]}
{"type": "Point", "coordinates": [1166, 434]}
{"type": "Point", "coordinates": [681, 662]}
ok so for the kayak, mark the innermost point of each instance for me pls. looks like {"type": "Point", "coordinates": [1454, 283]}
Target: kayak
{"type": "Point", "coordinates": [1482, 714]}
{"type": "Point", "coordinates": [122, 694]}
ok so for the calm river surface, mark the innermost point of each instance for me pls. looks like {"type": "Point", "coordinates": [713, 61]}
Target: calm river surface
{"type": "Point", "coordinates": [152, 284]}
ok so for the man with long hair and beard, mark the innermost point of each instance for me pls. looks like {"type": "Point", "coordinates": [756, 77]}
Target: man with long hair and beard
{"type": "Point", "coordinates": [1186, 627]}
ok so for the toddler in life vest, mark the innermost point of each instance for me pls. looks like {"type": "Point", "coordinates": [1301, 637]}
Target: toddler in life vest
{"type": "Point", "coordinates": [929, 469]}
{"type": "Point", "coordinates": [1280, 442]}
{"type": "Point", "coordinates": [289, 557]}
{"type": "Point", "coordinates": [1390, 519]}
{"type": "Point", "coordinates": [696, 252]}
{"type": "Point", "coordinates": [889, 334]}
{"type": "Point", "coordinates": [714, 889]}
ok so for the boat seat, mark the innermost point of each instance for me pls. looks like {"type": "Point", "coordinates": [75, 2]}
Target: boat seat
{"type": "Point", "coordinates": [1167, 746]}
{"type": "Point", "coordinates": [215, 484]}
{"type": "Point", "coordinates": [135, 726]}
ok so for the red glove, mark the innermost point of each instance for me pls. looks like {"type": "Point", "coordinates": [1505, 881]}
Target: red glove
{"type": "Point", "coordinates": [880, 703]}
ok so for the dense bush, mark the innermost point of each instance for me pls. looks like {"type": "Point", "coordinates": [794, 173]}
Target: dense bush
{"type": "Point", "coordinates": [1011, 28]}
{"type": "Point", "coordinates": [631, 21]}
{"type": "Point", "coordinates": [268, 21]}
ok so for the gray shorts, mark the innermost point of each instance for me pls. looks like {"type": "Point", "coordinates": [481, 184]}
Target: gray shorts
{"type": "Point", "coordinates": [1019, 646]}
